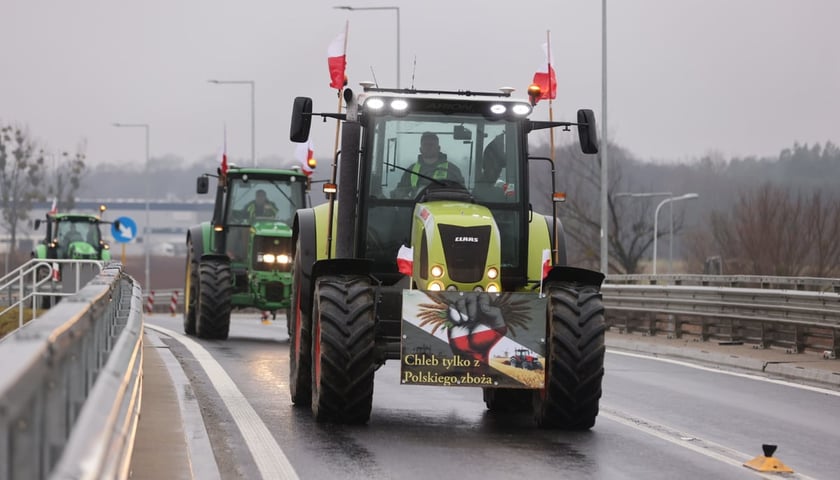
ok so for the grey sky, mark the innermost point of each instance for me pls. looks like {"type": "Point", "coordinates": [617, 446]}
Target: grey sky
{"type": "Point", "coordinates": [685, 77]}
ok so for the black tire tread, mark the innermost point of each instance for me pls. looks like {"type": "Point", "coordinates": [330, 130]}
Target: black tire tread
{"type": "Point", "coordinates": [575, 363]}
{"type": "Point", "coordinates": [345, 308]}
{"type": "Point", "coordinates": [215, 289]}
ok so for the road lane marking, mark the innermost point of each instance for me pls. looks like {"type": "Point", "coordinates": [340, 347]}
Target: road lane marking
{"type": "Point", "coordinates": [198, 442]}
{"type": "Point", "coordinates": [707, 448]}
{"type": "Point", "coordinates": [726, 372]}
{"type": "Point", "coordinates": [269, 457]}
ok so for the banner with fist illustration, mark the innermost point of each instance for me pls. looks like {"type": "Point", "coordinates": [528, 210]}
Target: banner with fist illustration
{"type": "Point", "coordinates": [473, 339]}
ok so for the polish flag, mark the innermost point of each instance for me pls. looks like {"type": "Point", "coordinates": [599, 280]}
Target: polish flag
{"type": "Point", "coordinates": [545, 77]}
{"type": "Point", "coordinates": [54, 207]}
{"type": "Point", "coordinates": [405, 260]}
{"type": "Point", "coordinates": [56, 273]}
{"type": "Point", "coordinates": [546, 262]}
{"type": "Point", "coordinates": [475, 342]}
{"type": "Point", "coordinates": [224, 168]}
{"type": "Point", "coordinates": [337, 59]}
{"type": "Point", "coordinates": [306, 157]}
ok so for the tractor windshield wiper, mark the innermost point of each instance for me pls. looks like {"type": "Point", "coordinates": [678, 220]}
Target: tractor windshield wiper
{"type": "Point", "coordinates": [294, 205]}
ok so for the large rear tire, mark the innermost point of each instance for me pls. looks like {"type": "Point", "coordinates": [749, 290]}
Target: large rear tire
{"type": "Point", "coordinates": [574, 360]}
{"type": "Point", "coordinates": [343, 349]}
{"type": "Point", "coordinates": [213, 314]}
{"type": "Point", "coordinates": [300, 340]}
{"type": "Point", "coordinates": [508, 400]}
{"type": "Point", "coordinates": [190, 291]}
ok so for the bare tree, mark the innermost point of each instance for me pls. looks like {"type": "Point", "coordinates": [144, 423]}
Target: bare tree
{"type": "Point", "coordinates": [21, 175]}
{"type": "Point", "coordinates": [823, 221]}
{"type": "Point", "coordinates": [770, 231]}
{"type": "Point", "coordinates": [65, 177]}
{"type": "Point", "coordinates": [631, 220]}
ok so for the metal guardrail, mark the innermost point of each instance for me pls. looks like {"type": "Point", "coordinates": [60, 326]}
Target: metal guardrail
{"type": "Point", "coordinates": [805, 316]}
{"type": "Point", "coordinates": [733, 281]}
{"type": "Point", "coordinates": [32, 283]}
{"type": "Point", "coordinates": [71, 384]}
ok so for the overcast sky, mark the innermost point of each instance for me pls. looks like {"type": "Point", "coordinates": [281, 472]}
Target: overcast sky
{"type": "Point", "coordinates": [687, 77]}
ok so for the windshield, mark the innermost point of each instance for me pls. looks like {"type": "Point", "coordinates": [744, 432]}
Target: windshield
{"type": "Point", "coordinates": [263, 199]}
{"type": "Point", "coordinates": [407, 153]}
{"type": "Point", "coordinates": [481, 154]}
{"type": "Point", "coordinates": [71, 230]}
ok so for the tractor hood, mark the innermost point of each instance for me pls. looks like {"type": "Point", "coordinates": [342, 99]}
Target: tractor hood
{"type": "Point", "coordinates": [455, 245]}
{"type": "Point", "coordinates": [271, 228]}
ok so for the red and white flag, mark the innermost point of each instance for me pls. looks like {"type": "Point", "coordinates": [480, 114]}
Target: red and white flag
{"type": "Point", "coordinates": [54, 207]}
{"type": "Point", "coordinates": [56, 273]}
{"type": "Point", "coordinates": [546, 262]}
{"type": "Point", "coordinates": [545, 77]}
{"type": "Point", "coordinates": [405, 260]}
{"type": "Point", "coordinates": [337, 59]}
{"type": "Point", "coordinates": [224, 167]}
{"type": "Point", "coordinates": [306, 157]}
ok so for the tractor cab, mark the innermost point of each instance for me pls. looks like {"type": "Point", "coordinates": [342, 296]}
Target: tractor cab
{"type": "Point", "coordinates": [481, 148]}
{"type": "Point", "coordinates": [72, 236]}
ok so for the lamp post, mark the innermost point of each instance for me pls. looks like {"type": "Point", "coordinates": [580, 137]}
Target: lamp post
{"type": "Point", "coordinates": [397, 10]}
{"type": "Point", "coordinates": [148, 227]}
{"type": "Point", "coordinates": [687, 196]}
{"type": "Point", "coordinates": [253, 121]}
{"type": "Point", "coordinates": [604, 150]}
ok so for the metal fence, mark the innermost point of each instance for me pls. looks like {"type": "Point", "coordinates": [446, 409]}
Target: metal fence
{"type": "Point", "coordinates": [71, 384]}
{"type": "Point", "coordinates": [798, 314]}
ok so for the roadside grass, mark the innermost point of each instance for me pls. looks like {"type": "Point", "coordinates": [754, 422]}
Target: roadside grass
{"type": "Point", "coordinates": [9, 320]}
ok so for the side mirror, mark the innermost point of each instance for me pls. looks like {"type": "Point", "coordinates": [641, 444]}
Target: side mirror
{"type": "Point", "coordinates": [460, 132]}
{"type": "Point", "coordinates": [301, 119]}
{"type": "Point", "coordinates": [202, 185]}
{"type": "Point", "coordinates": [587, 131]}
{"type": "Point", "coordinates": [37, 223]}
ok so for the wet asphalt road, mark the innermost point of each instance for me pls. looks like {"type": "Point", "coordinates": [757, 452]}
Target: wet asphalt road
{"type": "Point", "coordinates": [658, 420]}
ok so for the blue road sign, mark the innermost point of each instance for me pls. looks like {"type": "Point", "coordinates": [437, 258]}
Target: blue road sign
{"type": "Point", "coordinates": [124, 229]}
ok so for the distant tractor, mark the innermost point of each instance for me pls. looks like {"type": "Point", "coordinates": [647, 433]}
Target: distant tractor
{"type": "Point", "coordinates": [71, 236]}
{"type": "Point", "coordinates": [524, 358]}
{"type": "Point", "coordinates": [447, 254]}
{"type": "Point", "coordinates": [242, 257]}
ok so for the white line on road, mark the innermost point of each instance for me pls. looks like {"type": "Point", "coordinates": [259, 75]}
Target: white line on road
{"type": "Point", "coordinates": [726, 372]}
{"type": "Point", "coordinates": [269, 457]}
{"type": "Point", "coordinates": [710, 449]}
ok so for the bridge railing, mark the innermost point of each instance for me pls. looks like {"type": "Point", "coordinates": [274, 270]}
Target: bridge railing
{"type": "Point", "coordinates": [71, 382]}
{"type": "Point", "coordinates": [794, 313]}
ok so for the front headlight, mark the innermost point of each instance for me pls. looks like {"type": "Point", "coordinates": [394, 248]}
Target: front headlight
{"type": "Point", "coordinates": [281, 258]}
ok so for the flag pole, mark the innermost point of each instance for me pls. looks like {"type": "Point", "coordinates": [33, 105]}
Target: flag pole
{"type": "Point", "coordinates": [550, 101]}
{"type": "Point", "coordinates": [333, 180]}
{"type": "Point", "coordinates": [554, 248]}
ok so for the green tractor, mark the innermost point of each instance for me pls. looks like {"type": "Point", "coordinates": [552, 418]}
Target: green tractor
{"type": "Point", "coordinates": [71, 236]}
{"type": "Point", "coordinates": [446, 271]}
{"type": "Point", "coordinates": [242, 257]}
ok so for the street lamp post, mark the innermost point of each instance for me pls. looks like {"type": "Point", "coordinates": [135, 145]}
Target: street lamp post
{"type": "Point", "coordinates": [687, 196]}
{"type": "Point", "coordinates": [604, 150]}
{"type": "Point", "coordinates": [253, 120]}
{"type": "Point", "coordinates": [397, 10]}
{"type": "Point", "coordinates": [148, 226]}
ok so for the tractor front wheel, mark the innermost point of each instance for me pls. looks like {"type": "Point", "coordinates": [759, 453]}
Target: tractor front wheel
{"type": "Point", "coordinates": [574, 358]}
{"type": "Point", "coordinates": [343, 349]}
{"type": "Point", "coordinates": [214, 291]}
{"type": "Point", "coordinates": [190, 291]}
{"type": "Point", "coordinates": [300, 340]}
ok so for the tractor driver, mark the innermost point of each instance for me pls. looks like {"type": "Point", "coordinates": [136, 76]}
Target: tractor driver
{"type": "Point", "coordinates": [72, 235]}
{"type": "Point", "coordinates": [431, 163]}
{"type": "Point", "coordinates": [261, 207]}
